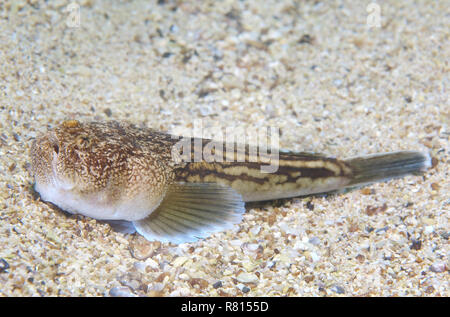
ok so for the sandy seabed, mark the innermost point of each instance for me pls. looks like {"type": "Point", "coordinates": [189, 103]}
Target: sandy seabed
{"type": "Point", "coordinates": [336, 77]}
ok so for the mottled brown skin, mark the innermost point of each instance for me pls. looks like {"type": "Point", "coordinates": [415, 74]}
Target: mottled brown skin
{"type": "Point", "coordinates": [123, 161]}
{"type": "Point", "coordinates": [117, 171]}
{"type": "Point", "coordinates": [114, 157]}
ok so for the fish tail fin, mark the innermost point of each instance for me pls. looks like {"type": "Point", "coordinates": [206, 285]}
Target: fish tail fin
{"type": "Point", "coordinates": [379, 167]}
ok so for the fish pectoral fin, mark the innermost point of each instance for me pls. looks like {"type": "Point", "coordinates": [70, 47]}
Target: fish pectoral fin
{"type": "Point", "coordinates": [191, 211]}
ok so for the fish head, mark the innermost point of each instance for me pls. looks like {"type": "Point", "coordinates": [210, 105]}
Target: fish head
{"type": "Point", "coordinates": [62, 158]}
{"type": "Point", "coordinates": [96, 169]}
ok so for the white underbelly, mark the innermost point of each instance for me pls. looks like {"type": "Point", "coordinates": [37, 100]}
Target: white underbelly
{"type": "Point", "coordinates": [97, 205]}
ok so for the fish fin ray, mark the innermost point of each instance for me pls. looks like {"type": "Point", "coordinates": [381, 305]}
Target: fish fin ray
{"type": "Point", "coordinates": [191, 211]}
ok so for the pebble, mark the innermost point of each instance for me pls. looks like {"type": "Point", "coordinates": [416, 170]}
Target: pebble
{"type": "Point", "coordinates": [156, 287]}
{"type": "Point", "coordinates": [217, 284]}
{"type": "Point", "coordinates": [247, 278]}
{"type": "Point", "coordinates": [255, 230]}
{"type": "Point", "coordinates": [108, 112]}
{"type": "Point", "coordinates": [416, 244]}
{"type": "Point", "coordinates": [314, 241]}
{"type": "Point", "coordinates": [179, 261]}
{"type": "Point", "coordinates": [271, 264]}
{"type": "Point", "coordinates": [184, 277]}
{"type": "Point", "coordinates": [314, 256]}
{"type": "Point", "coordinates": [227, 272]}
{"type": "Point", "coordinates": [360, 258]}
{"type": "Point", "coordinates": [152, 263]}
{"type": "Point", "coordinates": [249, 266]}
{"type": "Point", "coordinates": [4, 266]}
{"type": "Point", "coordinates": [132, 284]}
{"type": "Point", "coordinates": [142, 249]}
{"type": "Point", "coordinates": [382, 230]}
{"type": "Point", "coordinates": [438, 267]}
{"type": "Point", "coordinates": [181, 292]}
{"type": "Point", "coordinates": [205, 111]}
{"type": "Point", "coordinates": [337, 82]}
{"type": "Point", "coordinates": [338, 289]}
{"type": "Point", "coordinates": [235, 94]}
{"type": "Point", "coordinates": [235, 242]}
{"type": "Point", "coordinates": [121, 291]}
{"type": "Point", "coordinates": [300, 245]}
{"type": "Point", "coordinates": [16, 137]}
{"type": "Point", "coordinates": [140, 266]}
{"type": "Point", "coordinates": [202, 283]}
{"type": "Point", "coordinates": [288, 229]}
{"type": "Point", "coordinates": [428, 221]}
{"type": "Point", "coordinates": [252, 247]}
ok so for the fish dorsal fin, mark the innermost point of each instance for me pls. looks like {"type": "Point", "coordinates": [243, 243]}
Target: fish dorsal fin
{"type": "Point", "coordinates": [191, 211]}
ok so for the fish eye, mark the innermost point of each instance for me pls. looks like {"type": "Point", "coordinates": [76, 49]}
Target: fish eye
{"type": "Point", "coordinates": [83, 141]}
{"type": "Point", "coordinates": [56, 148]}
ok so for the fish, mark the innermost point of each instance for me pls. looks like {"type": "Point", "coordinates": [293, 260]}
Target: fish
{"type": "Point", "coordinates": [117, 171]}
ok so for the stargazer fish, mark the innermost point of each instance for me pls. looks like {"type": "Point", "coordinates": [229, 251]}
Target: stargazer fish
{"type": "Point", "coordinates": [117, 171]}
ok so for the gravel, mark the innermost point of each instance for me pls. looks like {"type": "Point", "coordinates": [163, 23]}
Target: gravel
{"type": "Point", "coordinates": [313, 69]}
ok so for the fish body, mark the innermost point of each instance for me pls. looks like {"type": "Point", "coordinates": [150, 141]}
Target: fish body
{"type": "Point", "coordinates": [117, 171]}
